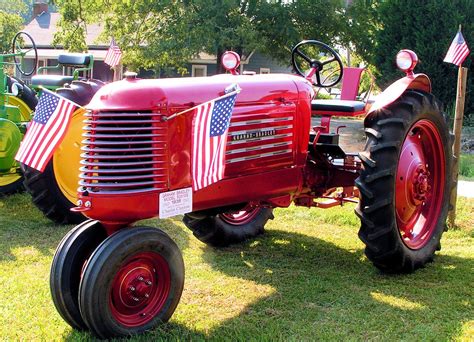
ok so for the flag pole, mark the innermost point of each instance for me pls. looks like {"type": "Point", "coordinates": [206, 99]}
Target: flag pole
{"type": "Point", "coordinates": [458, 119]}
{"type": "Point", "coordinates": [238, 90]}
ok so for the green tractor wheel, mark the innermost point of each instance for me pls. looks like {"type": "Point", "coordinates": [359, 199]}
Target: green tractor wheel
{"type": "Point", "coordinates": [11, 180]}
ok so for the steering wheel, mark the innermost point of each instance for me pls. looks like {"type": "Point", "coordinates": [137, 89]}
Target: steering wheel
{"type": "Point", "coordinates": [21, 39]}
{"type": "Point", "coordinates": [328, 62]}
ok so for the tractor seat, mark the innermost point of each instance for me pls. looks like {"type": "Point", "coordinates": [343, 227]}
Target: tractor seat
{"type": "Point", "coordinates": [337, 107]}
{"type": "Point", "coordinates": [51, 80]}
{"type": "Point", "coordinates": [74, 59]}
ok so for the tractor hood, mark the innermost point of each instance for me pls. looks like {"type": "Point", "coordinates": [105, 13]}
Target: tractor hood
{"type": "Point", "coordinates": [132, 94]}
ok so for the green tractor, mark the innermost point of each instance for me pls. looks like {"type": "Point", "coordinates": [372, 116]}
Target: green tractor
{"type": "Point", "coordinates": [17, 103]}
{"type": "Point", "coordinates": [54, 190]}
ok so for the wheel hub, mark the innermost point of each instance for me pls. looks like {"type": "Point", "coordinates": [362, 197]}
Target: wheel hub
{"type": "Point", "coordinates": [421, 187]}
{"type": "Point", "coordinates": [140, 289]}
{"type": "Point", "coordinates": [137, 287]}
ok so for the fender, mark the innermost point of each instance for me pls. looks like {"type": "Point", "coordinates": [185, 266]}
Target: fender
{"type": "Point", "coordinates": [396, 89]}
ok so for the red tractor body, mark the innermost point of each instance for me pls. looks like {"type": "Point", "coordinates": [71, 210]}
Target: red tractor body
{"type": "Point", "coordinates": [266, 154]}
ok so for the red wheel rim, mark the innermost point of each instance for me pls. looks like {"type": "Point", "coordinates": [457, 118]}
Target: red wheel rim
{"type": "Point", "coordinates": [420, 184]}
{"type": "Point", "coordinates": [140, 289]}
{"type": "Point", "coordinates": [243, 216]}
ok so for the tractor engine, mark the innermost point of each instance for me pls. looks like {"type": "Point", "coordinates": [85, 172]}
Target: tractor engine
{"type": "Point", "coordinates": [132, 153]}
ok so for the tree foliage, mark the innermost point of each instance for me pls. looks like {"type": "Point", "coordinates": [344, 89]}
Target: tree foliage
{"type": "Point", "coordinates": [11, 21]}
{"type": "Point", "coordinates": [170, 32]}
{"type": "Point", "coordinates": [426, 27]}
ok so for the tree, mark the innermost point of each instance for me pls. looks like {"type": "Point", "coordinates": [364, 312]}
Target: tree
{"type": "Point", "coordinates": [169, 33]}
{"type": "Point", "coordinates": [11, 21]}
{"type": "Point", "coordinates": [426, 27]}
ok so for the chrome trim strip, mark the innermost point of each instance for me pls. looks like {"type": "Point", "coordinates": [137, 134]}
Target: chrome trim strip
{"type": "Point", "coordinates": [270, 137]}
{"type": "Point", "coordinates": [257, 156]}
{"type": "Point", "coordinates": [266, 129]}
{"type": "Point", "coordinates": [260, 147]}
{"type": "Point", "coordinates": [260, 121]}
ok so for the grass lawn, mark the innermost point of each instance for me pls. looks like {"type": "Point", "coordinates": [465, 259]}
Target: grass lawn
{"type": "Point", "coordinates": [466, 167]}
{"type": "Point", "coordinates": [305, 279]}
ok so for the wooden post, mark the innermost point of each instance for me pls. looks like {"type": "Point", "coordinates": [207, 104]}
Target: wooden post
{"type": "Point", "coordinates": [460, 97]}
{"type": "Point", "coordinates": [117, 72]}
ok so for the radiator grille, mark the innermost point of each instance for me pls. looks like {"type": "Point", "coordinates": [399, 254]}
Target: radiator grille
{"type": "Point", "coordinates": [123, 153]}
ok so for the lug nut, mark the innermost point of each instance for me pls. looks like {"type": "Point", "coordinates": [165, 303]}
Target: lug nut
{"type": "Point", "coordinates": [132, 288]}
{"type": "Point", "coordinates": [147, 295]}
{"type": "Point", "coordinates": [148, 282]}
{"type": "Point", "coordinates": [140, 278]}
{"type": "Point", "coordinates": [135, 299]}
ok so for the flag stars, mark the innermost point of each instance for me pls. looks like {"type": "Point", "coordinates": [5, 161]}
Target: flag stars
{"type": "Point", "coordinates": [220, 117]}
{"type": "Point", "coordinates": [45, 108]}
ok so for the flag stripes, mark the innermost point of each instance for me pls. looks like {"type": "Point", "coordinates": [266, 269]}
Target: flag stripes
{"type": "Point", "coordinates": [458, 50]}
{"type": "Point", "coordinates": [114, 54]}
{"type": "Point", "coordinates": [210, 129]}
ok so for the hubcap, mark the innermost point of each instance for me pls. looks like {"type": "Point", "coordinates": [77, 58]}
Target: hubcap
{"type": "Point", "coordinates": [140, 289]}
{"type": "Point", "coordinates": [240, 217]}
{"type": "Point", "coordinates": [420, 184]}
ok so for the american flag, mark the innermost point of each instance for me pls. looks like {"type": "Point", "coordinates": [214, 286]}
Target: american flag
{"type": "Point", "coordinates": [47, 130]}
{"type": "Point", "coordinates": [113, 55]}
{"type": "Point", "coordinates": [458, 51]}
{"type": "Point", "coordinates": [210, 128]}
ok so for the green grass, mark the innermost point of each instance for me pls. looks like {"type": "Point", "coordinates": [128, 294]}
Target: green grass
{"type": "Point", "coordinates": [305, 279]}
{"type": "Point", "coordinates": [466, 167]}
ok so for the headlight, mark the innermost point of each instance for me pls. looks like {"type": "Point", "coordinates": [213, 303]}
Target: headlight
{"type": "Point", "coordinates": [406, 61]}
{"type": "Point", "coordinates": [230, 61]}
{"type": "Point", "coordinates": [17, 89]}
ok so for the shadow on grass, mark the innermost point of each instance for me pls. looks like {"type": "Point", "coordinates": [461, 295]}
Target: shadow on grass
{"type": "Point", "coordinates": [320, 291]}
{"type": "Point", "coordinates": [323, 292]}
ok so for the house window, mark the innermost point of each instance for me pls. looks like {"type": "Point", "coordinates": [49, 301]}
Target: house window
{"type": "Point", "coordinates": [264, 70]}
{"type": "Point", "coordinates": [198, 70]}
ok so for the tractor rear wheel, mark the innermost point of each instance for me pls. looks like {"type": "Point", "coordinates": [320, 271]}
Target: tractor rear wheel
{"type": "Point", "coordinates": [131, 283]}
{"type": "Point", "coordinates": [54, 191]}
{"type": "Point", "coordinates": [66, 271]}
{"type": "Point", "coordinates": [229, 227]}
{"type": "Point", "coordinates": [405, 183]}
{"type": "Point", "coordinates": [26, 101]}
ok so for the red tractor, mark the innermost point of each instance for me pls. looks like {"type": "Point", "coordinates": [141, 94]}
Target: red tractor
{"type": "Point", "coordinates": [116, 279]}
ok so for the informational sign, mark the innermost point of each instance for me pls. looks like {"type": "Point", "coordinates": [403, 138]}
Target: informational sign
{"type": "Point", "coordinates": [176, 202]}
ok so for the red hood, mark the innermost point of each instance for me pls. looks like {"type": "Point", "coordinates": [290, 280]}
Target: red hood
{"type": "Point", "coordinates": [139, 94]}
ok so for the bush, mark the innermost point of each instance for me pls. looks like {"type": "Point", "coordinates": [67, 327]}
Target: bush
{"type": "Point", "coordinates": [426, 27]}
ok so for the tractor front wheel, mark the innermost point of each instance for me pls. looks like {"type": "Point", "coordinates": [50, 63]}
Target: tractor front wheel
{"type": "Point", "coordinates": [131, 283]}
{"type": "Point", "coordinates": [405, 183]}
{"type": "Point", "coordinates": [68, 263]}
{"type": "Point", "coordinates": [229, 227]}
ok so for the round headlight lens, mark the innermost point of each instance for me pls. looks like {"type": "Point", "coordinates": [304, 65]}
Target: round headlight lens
{"type": "Point", "coordinates": [16, 89]}
{"type": "Point", "coordinates": [406, 60]}
{"type": "Point", "coordinates": [230, 60]}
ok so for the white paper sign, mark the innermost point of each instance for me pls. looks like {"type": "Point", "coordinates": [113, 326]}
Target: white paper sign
{"type": "Point", "coordinates": [176, 202]}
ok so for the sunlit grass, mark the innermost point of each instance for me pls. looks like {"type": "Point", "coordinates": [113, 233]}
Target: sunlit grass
{"type": "Point", "coordinates": [305, 279]}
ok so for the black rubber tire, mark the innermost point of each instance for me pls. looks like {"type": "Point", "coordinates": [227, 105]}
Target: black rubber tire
{"type": "Point", "coordinates": [42, 186]}
{"type": "Point", "coordinates": [386, 130]}
{"type": "Point", "coordinates": [29, 98]}
{"type": "Point", "coordinates": [96, 284]}
{"type": "Point", "coordinates": [71, 255]}
{"type": "Point", "coordinates": [214, 231]}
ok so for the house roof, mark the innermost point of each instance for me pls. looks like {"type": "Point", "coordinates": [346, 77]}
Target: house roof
{"type": "Point", "coordinates": [43, 27]}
